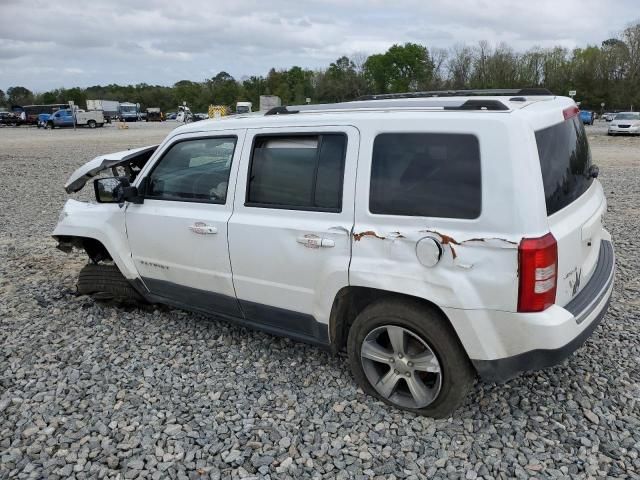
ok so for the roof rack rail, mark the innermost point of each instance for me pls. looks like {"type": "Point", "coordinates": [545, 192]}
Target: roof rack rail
{"type": "Point", "coordinates": [495, 92]}
{"type": "Point", "coordinates": [444, 104]}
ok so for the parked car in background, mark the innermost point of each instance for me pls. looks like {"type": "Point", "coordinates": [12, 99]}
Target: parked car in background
{"type": "Point", "coordinates": [43, 119]}
{"type": "Point", "coordinates": [587, 117]}
{"type": "Point", "coordinates": [625, 123]}
{"type": "Point", "coordinates": [64, 118]}
{"type": "Point", "coordinates": [6, 118]}
{"type": "Point", "coordinates": [442, 259]}
{"type": "Point", "coordinates": [609, 116]}
{"type": "Point", "coordinates": [171, 115]}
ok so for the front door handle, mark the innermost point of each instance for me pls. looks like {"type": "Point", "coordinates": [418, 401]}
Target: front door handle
{"type": "Point", "coordinates": [314, 241]}
{"type": "Point", "coordinates": [202, 228]}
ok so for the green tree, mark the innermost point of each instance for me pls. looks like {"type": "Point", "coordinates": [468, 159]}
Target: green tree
{"type": "Point", "coordinates": [222, 89]}
{"type": "Point", "coordinates": [19, 96]}
{"type": "Point", "coordinates": [340, 82]}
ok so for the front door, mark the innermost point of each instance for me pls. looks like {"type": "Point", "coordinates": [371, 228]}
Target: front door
{"type": "Point", "coordinates": [178, 236]}
{"type": "Point", "coordinates": [290, 232]}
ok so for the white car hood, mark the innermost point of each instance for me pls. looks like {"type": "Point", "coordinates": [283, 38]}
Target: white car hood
{"type": "Point", "coordinates": [90, 169]}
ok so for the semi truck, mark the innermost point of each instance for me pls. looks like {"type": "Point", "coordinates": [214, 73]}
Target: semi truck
{"type": "Point", "coordinates": [154, 114]}
{"type": "Point", "coordinates": [109, 108]}
{"type": "Point", "coordinates": [129, 112]}
{"type": "Point", "coordinates": [267, 102]}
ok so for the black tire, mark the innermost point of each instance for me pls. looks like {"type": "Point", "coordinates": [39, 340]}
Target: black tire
{"type": "Point", "coordinates": [457, 373]}
{"type": "Point", "coordinates": [105, 282]}
{"type": "Point", "coordinates": [91, 124]}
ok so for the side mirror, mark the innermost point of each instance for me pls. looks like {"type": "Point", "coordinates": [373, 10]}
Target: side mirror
{"type": "Point", "coordinates": [114, 190]}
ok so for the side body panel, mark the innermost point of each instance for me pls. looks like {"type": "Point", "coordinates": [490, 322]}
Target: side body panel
{"type": "Point", "coordinates": [479, 263]}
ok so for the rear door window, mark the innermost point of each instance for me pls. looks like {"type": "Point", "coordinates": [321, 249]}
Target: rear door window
{"type": "Point", "coordinates": [565, 160]}
{"type": "Point", "coordinates": [426, 175]}
{"type": "Point", "coordinates": [297, 172]}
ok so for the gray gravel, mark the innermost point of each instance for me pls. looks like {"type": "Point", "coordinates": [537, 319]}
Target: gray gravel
{"type": "Point", "coordinates": [94, 390]}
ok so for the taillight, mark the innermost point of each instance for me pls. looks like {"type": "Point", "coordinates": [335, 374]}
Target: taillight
{"type": "Point", "coordinates": [538, 269]}
{"type": "Point", "coordinates": [570, 112]}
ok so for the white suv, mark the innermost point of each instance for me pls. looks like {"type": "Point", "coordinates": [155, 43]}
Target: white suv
{"type": "Point", "coordinates": [432, 236]}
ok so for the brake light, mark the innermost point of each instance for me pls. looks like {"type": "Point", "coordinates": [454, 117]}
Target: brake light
{"type": "Point", "coordinates": [570, 112]}
{"type": "Point", "coordinates": [538, 267]}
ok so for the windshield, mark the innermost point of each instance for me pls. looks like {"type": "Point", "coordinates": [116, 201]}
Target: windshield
{"type": "Point", "coordinates": [242, 109]}
{"type": "Point", "coordinates": [628, 116]}
{"type": "Point", "coordinates": [128, 108]}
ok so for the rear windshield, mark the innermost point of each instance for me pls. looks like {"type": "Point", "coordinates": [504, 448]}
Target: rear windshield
{"type": "Point", "coordinates": [565, 159]}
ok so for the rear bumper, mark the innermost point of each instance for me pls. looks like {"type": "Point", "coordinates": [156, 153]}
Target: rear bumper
{"type": "Point", "coordinates": [503, 344]}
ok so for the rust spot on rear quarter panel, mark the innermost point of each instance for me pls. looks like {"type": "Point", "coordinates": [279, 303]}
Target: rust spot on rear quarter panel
{"type": "Point", "coordinates": [368, 233]}
{"type": "Point", "coordinates": [446, 240]}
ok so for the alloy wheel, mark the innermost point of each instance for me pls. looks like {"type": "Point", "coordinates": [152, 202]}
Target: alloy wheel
{"type": "Point", "coordinates": [401, 366]}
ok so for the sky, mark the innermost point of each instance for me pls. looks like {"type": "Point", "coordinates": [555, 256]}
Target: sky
{"type": "Point", "coordinates": [65, 43]}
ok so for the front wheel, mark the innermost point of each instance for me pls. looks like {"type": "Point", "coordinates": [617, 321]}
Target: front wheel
{"type": "Point", "coordinates": [91, 124]}
{"type": "Point", "coordinates": [105, 282]}
{"type": "Point", "coordinates": [407, 355]}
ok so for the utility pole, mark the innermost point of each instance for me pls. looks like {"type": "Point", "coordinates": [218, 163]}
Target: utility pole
{"type": "Point", "coordinates": [72, 105]}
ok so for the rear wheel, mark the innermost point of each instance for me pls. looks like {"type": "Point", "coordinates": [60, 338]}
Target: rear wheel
{"type": "Point", "coordinates": [407, 355]}
{"type": "Point", "coordinates": [105, 282]}
{"type": "Point", "coordinates": [92, 123]}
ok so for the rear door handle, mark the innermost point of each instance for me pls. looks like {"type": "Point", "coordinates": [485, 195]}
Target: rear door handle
{"type": "Point", "coordinates": [314, 241]}
{"type": "Point", "coordinates": [202, 228]}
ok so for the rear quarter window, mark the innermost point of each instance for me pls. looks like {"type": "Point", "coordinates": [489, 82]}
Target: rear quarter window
{"type": "Point", "coordinates": [426, 175]}
{"type": "Point", "coordinates": [565, 159]}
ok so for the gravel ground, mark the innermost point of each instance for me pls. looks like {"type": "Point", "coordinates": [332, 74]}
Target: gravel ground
{"type": "Point", "coordinates": [95, 390]}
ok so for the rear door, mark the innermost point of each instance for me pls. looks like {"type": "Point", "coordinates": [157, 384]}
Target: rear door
{"type": "Point", "coordinates": [289, 236]}
{"type": "Point", "coordinates": [575, 203]}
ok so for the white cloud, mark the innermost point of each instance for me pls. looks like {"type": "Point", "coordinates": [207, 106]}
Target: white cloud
{"type": "Point", "coordinates": [163, 41]}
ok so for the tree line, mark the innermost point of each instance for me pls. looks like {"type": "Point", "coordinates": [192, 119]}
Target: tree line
{"type": "Point", "coordinates": [607, 73]}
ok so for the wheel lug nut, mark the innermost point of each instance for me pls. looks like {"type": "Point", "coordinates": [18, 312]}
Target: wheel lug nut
{"type": "Point", "coordinates": [408, 374]}
{"type": "Point", "coordinates": [399, 355]}
{"type": "Point", "coordinates": [396, 372]}
{"type": "Point", "coordinates": [391, 360]}
{"type": "Point", "coordinates": [409, 364]}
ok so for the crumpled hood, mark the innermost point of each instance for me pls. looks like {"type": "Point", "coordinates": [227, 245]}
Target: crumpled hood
{"type": "Point", "coordinates": [79, 178]}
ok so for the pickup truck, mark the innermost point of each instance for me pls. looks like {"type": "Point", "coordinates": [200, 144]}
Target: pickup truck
{"type": "Point", "coordinates": [64, 118]}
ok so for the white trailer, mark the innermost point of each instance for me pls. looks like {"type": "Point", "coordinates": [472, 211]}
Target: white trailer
{"type": "Point", "coordinates": [109, 108]}
{"type": "Point", "coordinates": [267, 102]}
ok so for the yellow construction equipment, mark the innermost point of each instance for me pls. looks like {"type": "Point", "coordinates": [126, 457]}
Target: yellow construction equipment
{"type": "Point", "coordinates": [217, 111]}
